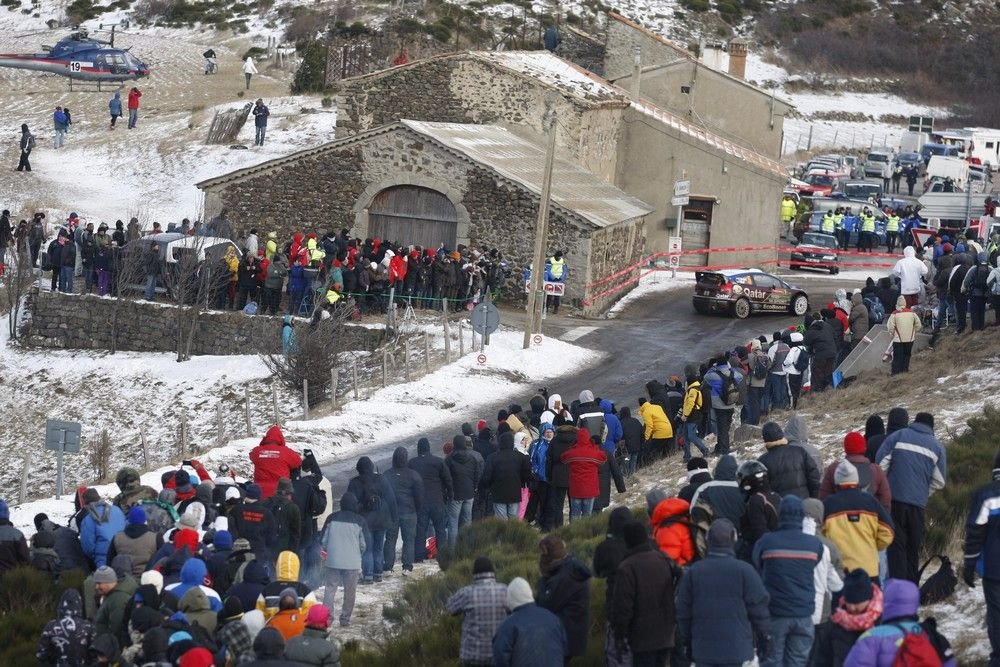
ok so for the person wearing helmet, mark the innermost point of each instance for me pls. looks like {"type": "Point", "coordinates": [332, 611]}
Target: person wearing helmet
{"type": "Point", "coordinates": [761, 515]}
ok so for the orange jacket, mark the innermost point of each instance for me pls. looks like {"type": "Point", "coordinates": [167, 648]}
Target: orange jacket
{"type": "Point", "coordinates": [672, 529]}
{"type": "Point", "coordinates": [290, 623]}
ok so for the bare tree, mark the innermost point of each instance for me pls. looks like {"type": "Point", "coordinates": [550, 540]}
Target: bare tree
{"type": "Point", "coordinates": [18, 275]}
{"type": "Point", "coordinates": [127, 275]}
{"type": "Point", "coordinates": [192, 278]}
{"type": "Point", "coordinates": [100, 456]}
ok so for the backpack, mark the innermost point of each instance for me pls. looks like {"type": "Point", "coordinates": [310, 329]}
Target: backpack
{"type": "Point", "coordinates": [761, 367]}
{"type": "Point", "coordinates": [595, 425]}
{"type": "Point", "coordinates": [280, 522]}
{"type": "Point", "coordinates": [941, 585]}
{"type": "Point", "coordinates": [865, 478]}
{"type": "Point", "coordinates": [925, 648]}
{"type": "Point", "coordinates": [31, 142]}
{"type": "Point", "coordinates": [979, 280]}
{"type": "Point", "coordinates": [702, 516]}
{"type": "Point", "coordinates": [730, 393]}
{"type": "Point", "coordinates": [876, 311]}
{"type": "Point", "coordinates": [801, 363]}
{"type": "Point", "coordinates": [370, 501]}
{"type": "Point", "coordinates": [43, 258]}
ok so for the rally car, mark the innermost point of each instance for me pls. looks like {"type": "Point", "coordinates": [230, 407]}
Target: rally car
{"type": "Point", "coordinates": [741, 292]}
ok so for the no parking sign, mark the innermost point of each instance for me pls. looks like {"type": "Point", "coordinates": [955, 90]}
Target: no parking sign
{"type": "Point", "coordinates": [481, 359]}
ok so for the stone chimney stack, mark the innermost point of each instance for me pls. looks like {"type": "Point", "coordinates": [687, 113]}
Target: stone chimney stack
{"type": "Point", "coordinates": [738, 58]}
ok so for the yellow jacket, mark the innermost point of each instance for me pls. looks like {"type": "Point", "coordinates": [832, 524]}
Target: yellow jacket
{"type": "Point", "coordinates": [286, 576]}
{"type": "Point", "coordinates": [233, 264]}
{"type": "Point", "coordinates": [860, 529]}
{"type": "Point", "coordinates": [692, 399]}
{"type": "Point", "coordinates": [788, 210]}
{"type": "Point", "coordinates": [903, 325]}
{"type": "Point", "coordinates": [655, 420]}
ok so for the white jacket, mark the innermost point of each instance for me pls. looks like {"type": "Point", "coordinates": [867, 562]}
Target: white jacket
{"type": "Point", "coordinates": [909, 270]}
{"type": "Point", "coordinates": [826, 579]}
{"type": "Point", "coordinates": [249, 67]}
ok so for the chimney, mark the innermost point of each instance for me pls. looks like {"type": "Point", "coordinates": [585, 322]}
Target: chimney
{"type": "Point", "coordinates": [636, 71]}
{"type": "Point", "coordinates": [738, 58]}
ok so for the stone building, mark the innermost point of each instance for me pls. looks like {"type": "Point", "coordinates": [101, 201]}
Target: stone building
{"type": "Point", "coordinates": [430, 183]}
{"type": "Point", "coordinates": [639, 146]}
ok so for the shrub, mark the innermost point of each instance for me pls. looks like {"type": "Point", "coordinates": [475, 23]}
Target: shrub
{"type": "Point", "coordinates": [27, 602]}
{"type": "Point", "coordinates": [255, 52]}
{"type": "Point", "coordinates": [311, 75]}
{"type": "Point", "coordinates": [970, 461]}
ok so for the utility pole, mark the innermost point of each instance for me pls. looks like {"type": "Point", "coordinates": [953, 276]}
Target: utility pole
{"type": "Point", "coordinates": [537, 291]}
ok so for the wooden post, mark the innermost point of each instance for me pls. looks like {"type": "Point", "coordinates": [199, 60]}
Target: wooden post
{"type": "Point", "coordinates": [385, 367]}
{"type": "Point", "coordinates": [220, 435]}
{"type": "Point", "coordinates": [447, 331]}
{"type": "Point", "coordinates": [184, 435]}
{"type": "Point", "coordinates": [145, 448]}
{"type": "Point", "coordinates": [305, 398]}
{"type": "Point", "coordinates": [354, 377]}
{"type": "Point", "coordinates": [406, 359]}
{"type": "Point", "coordinates": [427, 354]}
{"type": "Point", "coordinates": [22, 494]}
{"type": "Point", "coordinates": [334, 381]}
{"type": "Point", "coordinates": [274, 403]}
{"type": "Point", "coordinates": [246, 411]}
{"type": "Point", "coordinates": [461, 340]}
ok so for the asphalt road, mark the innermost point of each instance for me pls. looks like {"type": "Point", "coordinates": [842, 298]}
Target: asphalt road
{"type": "Point", "coordinates": [653, 338]}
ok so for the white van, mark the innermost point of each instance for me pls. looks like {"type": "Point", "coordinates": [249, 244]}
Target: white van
{"type": "Point", "coordinates": [954, 168]}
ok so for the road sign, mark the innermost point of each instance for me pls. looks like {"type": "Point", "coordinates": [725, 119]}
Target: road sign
{"type": "Point", "coordinates": [551, 288]}
{"type": "Point", "coordinates": [675, 261]}
{"type": "Point", "coordinates": [62, 436]}
{"type": "Point", "coordinates": [485, 318]}
{"type": "Point", "coordinates": [680, 201]}
{"type": "Point", "coordinates": [921, 124]}
{"type": "Point", "coordinates": [481, 359]}
{"type": "Point", "coordinates": [537, 339]}
{"type": "Point", "coordinates": [682, 188]}
{"type": "Point", "coordinates": [674, 244]}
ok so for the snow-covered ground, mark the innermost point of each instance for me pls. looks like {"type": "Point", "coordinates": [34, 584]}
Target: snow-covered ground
{"type": "Point", "coordinates": [651, 282]}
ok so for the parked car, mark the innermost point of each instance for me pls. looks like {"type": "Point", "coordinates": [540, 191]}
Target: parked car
{"type": "Point", "coordinates": [820, 184]}
{"type": "Point", "coordinates": [927, 151]}
{"type": "Point", "coordinates": [816, 249]}
{"type": "Point", "coordinates": [906, 160]}
{"type": "Point", "coordinates": [816, 223]}
{"type": "Point", "coordinates": [862, 190]}
{"type": "Point", "coordinates": [741, 292]}
{"type": "Point", "coordinates": [876, 159]}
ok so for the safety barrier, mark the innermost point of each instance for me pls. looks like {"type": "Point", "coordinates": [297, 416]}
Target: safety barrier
{"type": "Point", "coordinates": [638, 274]}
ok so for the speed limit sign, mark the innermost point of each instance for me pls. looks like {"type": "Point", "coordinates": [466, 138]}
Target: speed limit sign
{"type": "Point", "coordinates": [675, 260]}
{"type": "Point", "coordinates": [537, 339]}
{"type": "Point", "coordinates": [481, 359]}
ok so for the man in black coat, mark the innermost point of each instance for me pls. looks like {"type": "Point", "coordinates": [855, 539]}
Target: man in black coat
{"type": "Point", "coordinates": [791, 469]}
{"type": "Point", "coordinates": [465, 472]}
{"type": "Point", "coordinates": [507, 472]}
{"type": "Point", "coordinates": [408, 486]}
{"type": "Point", "coordinates": [642, 610]}
{"type": "Point", "coordinates": [558, 474]}
{"type": "Point", "coordinates": [437, 492]}
{"type": "Point", "coordinates": [821, 342]}
{"type": "Point", "coordinates": [564, 589]}
{"type": "Point", "coordinates": [67, 543]}
{"type": "Point", "coordinates": [698, 475]}
{"type": "Point", "coordinates": [722, 494]}
{"type": "Point", "coordinates": [255, 523]}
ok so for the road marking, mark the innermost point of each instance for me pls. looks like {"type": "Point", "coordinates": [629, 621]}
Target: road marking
{"type": "Point", "coordinates": [577, 333]}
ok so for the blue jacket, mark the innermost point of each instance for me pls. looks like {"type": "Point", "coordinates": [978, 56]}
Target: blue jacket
{"type": "Point", "coordinates": [539, 454]}
{"type": "Point", "coordinates": [260, 115]}
{"type": "Point", "coordinates": [192, 576]}
{"type": "Point", "coordinates": [915, 463]}
{"type": "Point", "coordinates": [786, 559]}
{"type": "Point", "coordinates": [115, 105]}
{"type": "Point", "coordinates": [982, 530]}
{"type": "Point", "coordinates": [59, 121]}
{"type": "Point", "coordinates": [720, 596]}
{"type": "Point", "coordinates": [878, 647]}
{"type": "Point", "coordinates": [296, 279]}
{"type": "Point", "coordinates": [615, 430]}
{"type": "Point", "coordinates": [530, 637]}
{"type": "Point", "coordinates": [101, 522]}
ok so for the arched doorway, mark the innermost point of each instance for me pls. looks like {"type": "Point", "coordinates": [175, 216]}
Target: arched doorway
{"type": "Point", "coordinates": [410, 214]}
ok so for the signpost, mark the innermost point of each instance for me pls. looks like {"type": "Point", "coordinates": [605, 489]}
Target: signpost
{"type": "Point", "coordinates": [62, 437]}
{"type": "Point", "coordinates": [674, 246]}
{"type": "Point", "coordinates": [485, 320]}
{"type": "Point", "coordinates": [681, 198]}
{"type": "Point", "coordinates": [551, 288]}
{"type": "Point", "coordinates": [924, 124]}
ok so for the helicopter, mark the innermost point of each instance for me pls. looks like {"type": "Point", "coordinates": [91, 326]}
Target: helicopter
{"type": "Point", "coordinates": [81, 57]}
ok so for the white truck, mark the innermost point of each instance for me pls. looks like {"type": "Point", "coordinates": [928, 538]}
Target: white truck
{"type": "Point", "coordinates": [943, 167]}
{"type": "Point", "coordinates": [984, 145]}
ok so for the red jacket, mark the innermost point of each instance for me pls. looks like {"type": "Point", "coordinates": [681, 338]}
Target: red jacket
{"type": "Point", "coordinates": [672, 529]}
{"type": "Point", "coordinates": [133, 99]}
{"type": "Point", "coordinates": [272, 460]}
{"type": "Point", "coordinates": [583, 460]}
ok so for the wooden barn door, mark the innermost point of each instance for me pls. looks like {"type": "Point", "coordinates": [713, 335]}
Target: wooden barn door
{"type": "Point", "coordinates": [411, 215]}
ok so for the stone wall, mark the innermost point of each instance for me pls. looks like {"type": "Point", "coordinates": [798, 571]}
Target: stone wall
{"type": "Point", "coordinates": [83, 322]}
{"type": "Point", "coordinates": [585, 50]}
{"type": "Point", "coordinates": [623, 36]}
{"type": "Point", "coordinates": [610, 251]}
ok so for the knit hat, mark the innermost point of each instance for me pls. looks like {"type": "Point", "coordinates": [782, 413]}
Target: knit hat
{"type": "Point", "coordinates": [854, 443]}
{"type": "Point", "coordinates": [635, 534]}
{"type": "Point", "coordinates": [182, 480]}
{"type": "Point", "coordinates": [697, 463]}
{"type": "Point", "coordinates": [232, 493]}
{"type": "Point", "coordinates": [519, 593]}
{"type": "Point", "coordinates": [285, 486]}
{"type": "Point", "coordinates": [253, 492]}
{"type": "Point", "coordinates": [467, 429]}
{"type": "Point", "coordinates": [188, 520]}
{"type": "Point", "coordinates": [480, 425]}
{"type": "Point", "coordinates": [586, 396]}
{"type": "Point", "coordinates": [105, 575]}
{"type": "Point", "coordinates": [223, 539]}
{"type": "Point", "coordinates": [813, 508]}
{"type": "Point", "coordinates": [197, 657]}
{"type": "Point", "coordinates": [91, 496]}
{"type": "Point", "coordinates": [857, 587]}
{"type": "Point", "coordinates": [846, 474]}
{"type": "Point", "coordinates": [4, 511]}
{"type": "Point", "coordinates": [232, 609]}
{"type": "Point", "coordinates": [482, 564]}
{"type": "Point", "coordinates": [318, 616]}
{"type": "Point", "coordinates": [136, 516]}
{"type": "Point", "coordinates": [423, 446]}
{"type": "Point", "coordinates": [773, 435]}
{"type": "Point", "coordinates": [925, 418]}
{"type": "Point", "coordinates": [152, 577]}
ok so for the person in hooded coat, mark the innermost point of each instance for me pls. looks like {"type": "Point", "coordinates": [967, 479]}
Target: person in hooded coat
{"type": "Point", "coordinates": [136, 541]}
{"type": "Point", "coordinates": [583, 461]}
{"type": "Point", "coordinates": [558, 472]}
{"type": "Point", "coordinates": [272, 460]}
{"type": "Point", "coordinates": [607, 557]}
{"type": "Point", "coordinates": [507, 472]}
{"type": "Point", "coordinates": [898, 419]}
{"type": "Point", "coordinates": [722, 494]}
{"type": "Point", "coordinates": [615, 431]}
{"type": "Point", "coordinates": [195, 606]}
{"type": "Point", "coordinates": [564, 589]}
{"type": "Point", "coordinates": [437, 493]}
{"type": "Point", "coordinates": [287, 575]}
{"type": "Point", "coordinates": [697, 476]}
{"type": "Point", "coordinates": [465, 469]}
{"type": "Point", "coordinates": [790, 469]}
{"type": "Point", "coordinates": [720, 596]}
{"type": "Point", "coordinates": [671, 529]}
{"type": "Point", "coordinates": [43, 554]}
{"type": "Point", "coordinates": [66, 640]}
{"type": "Point", "coordinates": [249, 590]}
{"type": "Point", "coordinates": [797, 435]}
{"type": "Point", "coordinates": [193, 575]}
{"type": "Point", "coordinates": [632, 434]}
{"type": "Point", "coordinates": [408, 487]}
{"type": "Point", "coordinates": [101, 522]}
{"type": "Point", "coordinates": [787, 559]}
{"type": "Point", "coordinates": [531, 636]}
{"type": "Point", "coordinates": [378, 506]}
{"type": "Point", "coordinates": [269, 650]}
{"type": "Point", "coordinates": [874, 428]}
